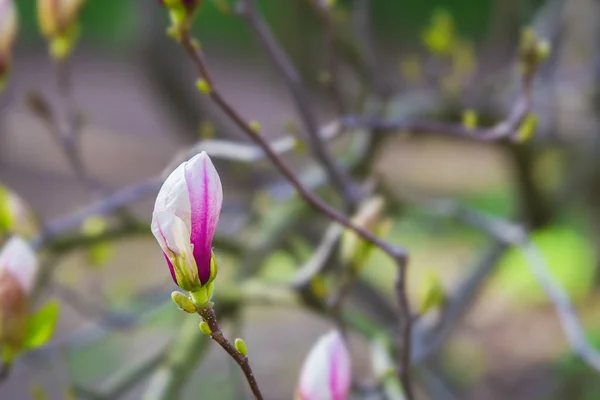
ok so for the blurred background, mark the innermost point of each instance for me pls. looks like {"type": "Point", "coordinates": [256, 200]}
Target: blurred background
{"type": "Point", "coordinates": [135, 89]}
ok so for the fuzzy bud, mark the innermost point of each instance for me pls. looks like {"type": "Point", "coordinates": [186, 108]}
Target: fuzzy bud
{"type": "Point", "coordinates": [240, 346]}
{"type": "Point", "coordinates": [205, 328]}
{"type": "Point", "coordinates": [18, 269]}
{"type": "Point", "coordinates": [183, 302]}
{"type": "Point", "coordinates": [8, 33]}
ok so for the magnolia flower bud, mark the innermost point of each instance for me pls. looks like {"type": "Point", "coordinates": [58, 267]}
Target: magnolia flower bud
{"type": "Point", "coordinates": [185, 217]}
{"type": "Point", "coordinates": [56, 17]}
{"type": "Point", "coordinates": [353, 249]}
{"type": "Point", "coordinates": [58, 23]}
{"type": "Point", "coordinates": [182, 13]}
{"type": "Point", "coordinates": [8, 33]}
{"type": "Point", "coordinates": [18, 268]}
{"type": "Point", "coordinates": [326, 373]}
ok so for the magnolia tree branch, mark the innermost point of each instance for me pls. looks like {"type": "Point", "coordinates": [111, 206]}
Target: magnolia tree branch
{"type": "Point", "coordinates": [398, 254]}
{"type": "Point", "coordinates": [505, 129]}
{"type": "Point", "coordinates": [291, 77]}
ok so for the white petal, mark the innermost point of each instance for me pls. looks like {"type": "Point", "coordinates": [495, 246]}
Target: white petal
{"type": "Point", "coordinates": [18, 258]}
{"type": "Point", "coordinates": [172, 234]}
{"type": "Point", "coordinates": [173, 196]}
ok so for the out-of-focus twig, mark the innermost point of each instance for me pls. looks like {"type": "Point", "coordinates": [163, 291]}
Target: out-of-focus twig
{"type": "Point", "coordinates": [427, 343]}
{"type": "Point", "coordinates": [338, 177]}
{"type": "Point", "coordinates": [504, 129]}
{"type": "Point", "coordinates": [513, 234]}
{"type": "Point", "coordinates": [362, 23]}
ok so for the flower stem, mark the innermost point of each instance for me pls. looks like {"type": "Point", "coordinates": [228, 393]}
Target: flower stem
{"type": "Point", "coordinates": [209, 316]}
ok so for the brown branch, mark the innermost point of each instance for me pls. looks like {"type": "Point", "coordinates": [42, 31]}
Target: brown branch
{"type": "Point", "coordinates": [209, 316]}
{"type": "Point", "coordinates": [507, 128]}
{"type": "Point", "coordinates": [405, 337]}
{"type": "Point", "coordinates": [340, 180]}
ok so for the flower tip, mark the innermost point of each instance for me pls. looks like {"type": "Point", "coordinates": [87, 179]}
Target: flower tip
{"type": "Point", "coordinates": [326, 372]}
{"type": "Point", "coordinates": [18, 258]}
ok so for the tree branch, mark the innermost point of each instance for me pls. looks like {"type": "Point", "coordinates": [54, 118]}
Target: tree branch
{"type": "Point", "coordinates": [513, 234]}
{"type": "Point", "coordinates": [398, 254]}
{"type": "Point", "coordinates": [340, 180]}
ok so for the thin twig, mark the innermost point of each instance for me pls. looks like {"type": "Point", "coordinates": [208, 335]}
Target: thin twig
{"type": "Point", "coordinates": [208, 315]}
{"type": "Point", "coordinates": [504, 129]}
{"type": "Point", "coordinates": [340, 180]}
{"type": "Point", "coordinates": [507, 128]}
{"type": "Point", "coordinates": [106, 205]}
{"type": "Point", "coordinates": [362, 24]}
{"type": "Point", "coordinates": [324, 13]}
{"type": "Point", "coordinates": [69, 139]}
{"type": "Point", "coordinates": [405, 337]}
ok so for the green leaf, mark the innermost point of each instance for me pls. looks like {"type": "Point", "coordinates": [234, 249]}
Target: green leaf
{"type": "Point", "coordinates": [42, 325]}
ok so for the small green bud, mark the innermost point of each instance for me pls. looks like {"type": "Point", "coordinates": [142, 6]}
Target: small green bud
{"type": "Point", "coordinates": [353, 249]}
{"type": "Point", "coordinates": [255, 126]}
{"type": "Point", "coordinates": [432, 293]}
{"type": "Point", "coordinates": [440, 35]}
{"type": "Point", "coordinates": [532, 50]}
{"type": "Point", "coordinates": [527, 129]}
{"type": "Point", "coordinates": [183, 302]}
{"type": "Point", "coordinates": [543, 49]}
{"type": "Point", "coordinates": [240, 345]}
{"type": "Point", "coordinates": [319, 287]}
{"type": "Point", "coordinates": [205, 328]}
{"type": "Point", "coordinates": [203, 86]}
{"type": "Point", "coordinates": [469, 119]}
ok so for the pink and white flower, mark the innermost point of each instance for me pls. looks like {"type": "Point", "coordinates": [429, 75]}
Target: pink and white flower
{"type": "Point", "coordinates": [185, 217]}
{"type": "Point", "coordinates": [326, 373]}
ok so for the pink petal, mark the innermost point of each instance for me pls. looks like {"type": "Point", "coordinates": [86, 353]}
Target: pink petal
{"type": "Point", "coordinates": [206, 198]}
{"type": "Point", "coordinates": [339, 378]}
{"type": "Point", "coordinates": [171, 268]}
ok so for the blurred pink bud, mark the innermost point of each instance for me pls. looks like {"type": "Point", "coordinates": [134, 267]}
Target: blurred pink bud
{"type": "Point", "coordinates": [8, 32]}
{"type": "Point", "coordinates": [326, 373]}
{"type": "Point", "coordinates": [185, 217]}
{"type": "Point", "coordinates": [18, 268]}
{"type": "Point", "coordinates": [18, 259]}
